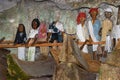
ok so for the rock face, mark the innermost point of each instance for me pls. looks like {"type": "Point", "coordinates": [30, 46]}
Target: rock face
{"type": "Point", "coordinates": [3, 63]}
{"type": "Point", "coordinates": [114, 58]}
{"type": "Point", "coordinates": [108, 72]}
{"type": "Point", "coordinates": [71, 71]}
{"type": "Point", "coordinates": [25, 70]}
{"type": "Point", "coordinates": [111, 70]}
{"type": "Point", "coordinates": [46, 10]}
{"type": "Point", "coordinates": [72, 66]}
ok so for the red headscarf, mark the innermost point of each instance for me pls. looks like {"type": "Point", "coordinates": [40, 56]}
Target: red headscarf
{"type": "Point", "coordinates": [93, 9]}
{"type": "Point", "coordinates": [80, 15]}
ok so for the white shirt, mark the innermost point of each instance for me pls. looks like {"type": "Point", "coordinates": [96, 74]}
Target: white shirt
{"type": "Point", "coordinates": [81, 34]}
{"type": "Point", "coordinates": [116, 31]}
{"type": "Point", "coordinates": [32, 33]}
{"type": "Point", "coordinates": [59, 26]}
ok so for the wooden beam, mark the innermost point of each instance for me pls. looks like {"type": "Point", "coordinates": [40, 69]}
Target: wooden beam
{"type": "Point", "coordinates": [9, 44]}
{"type": "Point", "coordinates": [101, 42]}
{"type": "Point", "coordinates": [24, 45]}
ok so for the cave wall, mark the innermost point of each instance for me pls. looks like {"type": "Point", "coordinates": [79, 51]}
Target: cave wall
{"type": "Point", "coordinates": [46, 10]}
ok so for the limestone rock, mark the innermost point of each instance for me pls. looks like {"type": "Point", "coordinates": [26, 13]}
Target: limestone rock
{"type": "Point", "coordinates": [114, 58]}
{"type": "Point", "coordinates": [70, 71]}
{"type": "Point", "coordinates": [108, 72]}
{"type": "Point", "coordinates": [3, 63]}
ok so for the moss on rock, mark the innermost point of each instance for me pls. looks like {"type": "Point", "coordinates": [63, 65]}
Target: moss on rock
{"type": "Point", "coordinates": [14, 71]}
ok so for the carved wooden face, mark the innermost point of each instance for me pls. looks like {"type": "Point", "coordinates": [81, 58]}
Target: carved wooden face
{"type": "Point", "coordinates": [108, 15]}
{"type": "Point", "coordinates": [21, 29]}
{"type": "Point", "coordinates": [93, 14]}
{"type": "Point", "coordinates": [82, 19]}
{"type": "Point", "coordinates": [35, 25]}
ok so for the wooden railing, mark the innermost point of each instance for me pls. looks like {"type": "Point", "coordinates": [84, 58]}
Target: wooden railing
{"type": "Point", "coordinates": [9, 44]}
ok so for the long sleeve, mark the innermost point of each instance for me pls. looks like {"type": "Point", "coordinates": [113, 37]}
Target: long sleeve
{"type": "Point", "coordinates": [79, 33]}
{"type": "Point", "coordinates": [33, 33]}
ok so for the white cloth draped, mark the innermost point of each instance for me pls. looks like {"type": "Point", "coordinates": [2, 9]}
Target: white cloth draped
{"type": "Point", "coordinates": [59, 26]}
{"type": "Point", "coordinates": [91, 32]}
{"type": "Point", "coordinates": [32, 33]}
{"type": "Point", "coordinates": [116, 32]}
{"type": "Point", "coordinates": [31, 54]}
{"type": "Point", "coordinates": [108, 45]}
{"type": "Point", "coordinates": [31, 50]}
{"type": "Point", "coordinates": [81, 36]}
{"type": "Point", "coordinates": [21, 53]}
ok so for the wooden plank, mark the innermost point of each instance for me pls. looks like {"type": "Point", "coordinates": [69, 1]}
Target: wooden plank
{"type": "Point", "coordinates": [80, 43]}
{"type": "Point", "coordinates": [24, 45]}
{"type": "Point", "coordinates": [78, 55]}
{"type": "Point", "coordinates": [55, 55]}
{"type": "Point", "coordinates": [9, 44]}
{"type": "Point", "coordinates": [101, 42]}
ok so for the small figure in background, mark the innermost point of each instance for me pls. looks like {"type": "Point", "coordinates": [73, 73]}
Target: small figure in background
{"type": "Point", "coordinates": [42, 37]}
{"type": "Point", "coordinates": [94, 26]}
{"type": "Point", "coordinates": [60, 28]}
{"type": "Point", "coordinates": [42, 32]}
{"type": "Point", "coordinates": [21, 39]}
{"type": "Point", "coordinates": [56, 32]}
{"type": "Point", "coordinates": [107, 21]}
{"type": "Point", "coordinates": [32, 39]}
{"type": "Point", "coordinates": [107, 26]}
{"type": "Point", "coordinates": [82, 30]}
{"type": "Point", "coordinates": [53, 32]}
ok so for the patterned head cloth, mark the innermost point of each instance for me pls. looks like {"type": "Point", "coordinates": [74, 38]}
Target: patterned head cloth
{"type": "Point", "coordinates": [109, 9]}
{"type": "Point", "coordinates": [93, 10]}
{"type": "Point", "coordinates": [80, 15]}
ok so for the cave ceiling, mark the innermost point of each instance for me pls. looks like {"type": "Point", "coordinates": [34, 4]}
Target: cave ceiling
{"type": "Point", "coordinates": [62, 4]}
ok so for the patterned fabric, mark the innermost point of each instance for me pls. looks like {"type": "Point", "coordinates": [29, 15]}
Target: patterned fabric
{"type": "Point", "coordinates": [32, 33]}
{"type": "Point", "coordinates": [42, 33]}
{"type": "Point", "coordinates": [56, 28]}
{"type": "Point", "coordinates": [31, 50]}
{"type": "Point", "coordinates": [43, 50]}
{"type": "Point", "coordinates": [31, 54]}
{"type": "Point", "coordinates": [106, 26]}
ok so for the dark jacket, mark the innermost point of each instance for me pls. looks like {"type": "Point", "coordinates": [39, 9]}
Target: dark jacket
{"type": "Point", "coordinates": [20, 38]}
